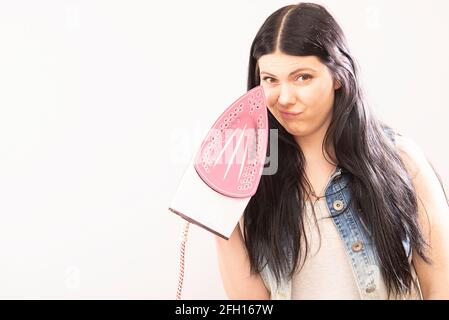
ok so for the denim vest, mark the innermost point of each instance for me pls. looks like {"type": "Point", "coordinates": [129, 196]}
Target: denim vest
{"type": "Point", "coordinates": [357, 240]}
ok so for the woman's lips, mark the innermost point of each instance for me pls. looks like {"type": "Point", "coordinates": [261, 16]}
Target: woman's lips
{"type": "Point", "coordinates": [289, 115]}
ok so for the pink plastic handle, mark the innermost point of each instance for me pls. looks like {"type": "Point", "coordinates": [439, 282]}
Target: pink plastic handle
{"type": "Point", "coordinates": [232, 156]}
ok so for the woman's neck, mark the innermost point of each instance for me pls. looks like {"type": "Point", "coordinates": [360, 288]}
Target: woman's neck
{"type": "Point", "coordinates": [312, 147]}
{"type": "Point", "coordinates": [318, 167]}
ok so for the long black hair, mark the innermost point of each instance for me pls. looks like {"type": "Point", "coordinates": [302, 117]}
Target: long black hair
{"type": "Point", "coordinates": [381, 187]}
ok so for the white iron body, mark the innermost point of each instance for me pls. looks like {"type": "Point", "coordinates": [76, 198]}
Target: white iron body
{"type": "Point", "coordinates": [197, 203]}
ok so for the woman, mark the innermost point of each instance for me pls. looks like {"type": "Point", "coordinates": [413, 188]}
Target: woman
{"type": "Point", "coordinates": [355, 211]}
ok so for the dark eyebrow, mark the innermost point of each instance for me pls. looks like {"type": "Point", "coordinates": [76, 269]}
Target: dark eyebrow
{"type": "Point", "coordinates": [292, 73]}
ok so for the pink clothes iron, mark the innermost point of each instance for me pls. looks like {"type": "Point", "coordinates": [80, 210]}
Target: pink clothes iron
{"type": "Point", "coordinates": [225, 172]}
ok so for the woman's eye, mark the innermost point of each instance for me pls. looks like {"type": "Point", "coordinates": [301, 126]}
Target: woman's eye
{"type": "Point", "coordinates": [304, 76]}
{"type": "Point", "coordinates": [268, 79]}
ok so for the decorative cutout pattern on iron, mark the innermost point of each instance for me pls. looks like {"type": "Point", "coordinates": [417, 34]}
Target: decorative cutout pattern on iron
{"type": "Point", "coordinates": [231, 157]}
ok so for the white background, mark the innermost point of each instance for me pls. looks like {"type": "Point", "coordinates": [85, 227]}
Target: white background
{"type": "Point", "coordinates": [101, 103]}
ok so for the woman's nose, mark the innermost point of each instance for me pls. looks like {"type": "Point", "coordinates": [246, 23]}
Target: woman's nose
{"type": "Point", "coordinates": [287, 95]}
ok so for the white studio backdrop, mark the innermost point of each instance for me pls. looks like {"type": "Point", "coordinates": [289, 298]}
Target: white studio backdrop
{"type": "Point", "coordinates": [102, 103]}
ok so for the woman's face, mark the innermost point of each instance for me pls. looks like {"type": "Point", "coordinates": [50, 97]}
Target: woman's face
{"type": "Point", "coordinates": [301, 86]}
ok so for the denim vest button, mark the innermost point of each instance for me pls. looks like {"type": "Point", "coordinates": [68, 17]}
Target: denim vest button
{"type": "Point", "coordinates": [357, 246]}
{"type": "Point", "coordinates": [371, 288]}
{"type": "Point", "coordinates": [338, 205]}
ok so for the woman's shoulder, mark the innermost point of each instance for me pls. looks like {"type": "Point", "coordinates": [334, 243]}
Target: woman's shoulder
{"type": "Point", "coordinates": [413, 157]}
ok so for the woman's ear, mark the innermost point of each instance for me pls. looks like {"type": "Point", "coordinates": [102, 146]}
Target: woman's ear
{"type": "Point", "coordinates": [337, 84]}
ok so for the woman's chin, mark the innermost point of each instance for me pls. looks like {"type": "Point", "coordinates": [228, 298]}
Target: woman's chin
{"type": "Point", "coordinates": [295, 131]}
